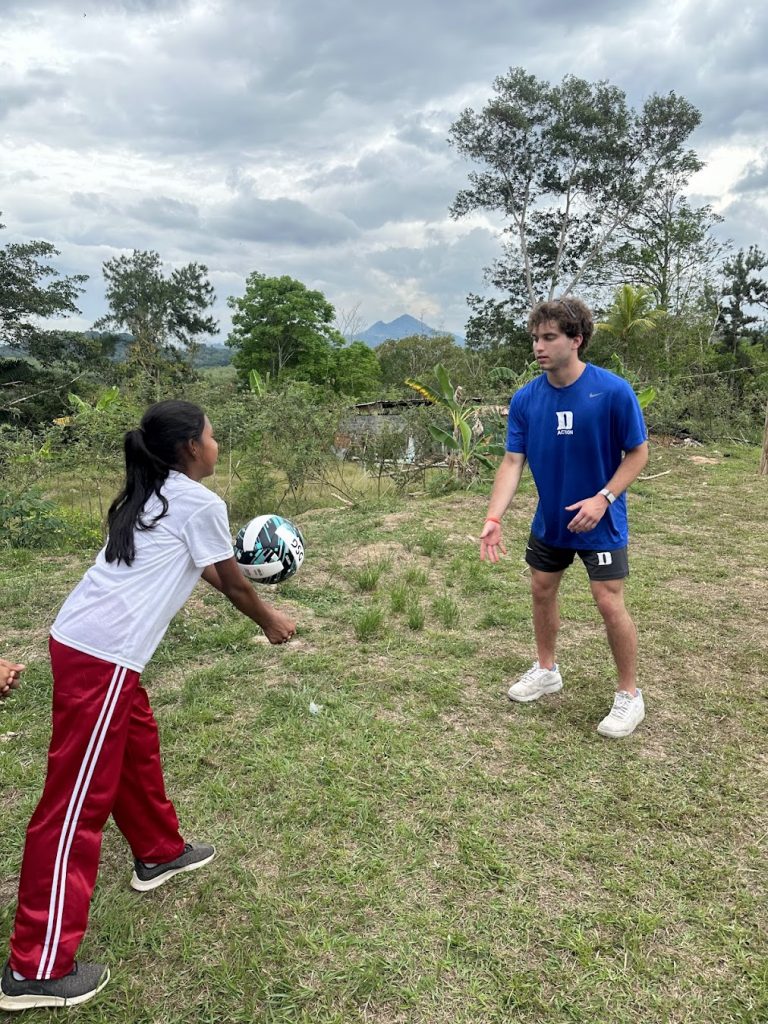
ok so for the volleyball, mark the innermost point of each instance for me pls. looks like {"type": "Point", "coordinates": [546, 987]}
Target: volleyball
{"type": "Point", "coordinates": [269, 549]}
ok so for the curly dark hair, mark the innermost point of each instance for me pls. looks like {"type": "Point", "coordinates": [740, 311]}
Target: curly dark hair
{"type": "Point", "coordinates": [572, 316]}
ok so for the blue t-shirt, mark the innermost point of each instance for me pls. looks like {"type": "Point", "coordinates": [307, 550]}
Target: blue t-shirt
{"type": "Point", "coordinates": [574, 438]}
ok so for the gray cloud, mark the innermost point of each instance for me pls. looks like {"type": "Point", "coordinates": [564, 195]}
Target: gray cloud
{"type": "Point", "coordinates": [746, 224]}
{"type": "Point", "coordinates": [18, 93]}
{"type": "Point", "coordinates": [755, 177]}
{"type": "Point", "coordinates": [280, 222]}
{"type": "Point", "coordinates": [309, 138]}
{"type": "Point", "coordinates": [165, 212]}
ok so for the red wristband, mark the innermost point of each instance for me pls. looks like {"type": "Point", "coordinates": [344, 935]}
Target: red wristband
{"type": "Point", "coordinates": [490, 519]}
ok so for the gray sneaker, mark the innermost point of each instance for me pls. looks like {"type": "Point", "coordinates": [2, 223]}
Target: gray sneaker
{"type": "Point", "coordinates": [81, 984]}
{"type": "Point", "coordinates": [536, 682]}
{"type": "Point", "coordinates": [624, 717]}
{"type": "Point", "coordinates": [150, 876]}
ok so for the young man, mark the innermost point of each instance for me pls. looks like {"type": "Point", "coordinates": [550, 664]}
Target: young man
{"type": "Point", "coordinates": [581, 430]}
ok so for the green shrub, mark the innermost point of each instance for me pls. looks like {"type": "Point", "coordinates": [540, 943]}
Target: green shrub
{"type": "Point", "coordinates": [29, 520]}
{"type": "Point", "coordinates": [706, 413]}
{"type": "Point", "coordinates": [292, 433]}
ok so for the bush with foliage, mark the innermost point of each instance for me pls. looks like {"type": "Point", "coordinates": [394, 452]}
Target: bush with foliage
{"type": "Point", "coordinates": [291, 441]}
{"type": "Point", "coordinates": [29, 520]}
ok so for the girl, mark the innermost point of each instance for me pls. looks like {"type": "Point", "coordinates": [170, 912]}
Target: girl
{"type": "Point", "coordinates": [165, 531]}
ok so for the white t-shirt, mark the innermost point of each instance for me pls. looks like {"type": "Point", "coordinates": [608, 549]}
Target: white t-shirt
{"type": "Point", "coordinates": [120, 612]}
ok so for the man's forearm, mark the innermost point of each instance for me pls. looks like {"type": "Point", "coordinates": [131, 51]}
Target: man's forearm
{"type": "Point", "coordinates": [632, 465]}
{"type": "Point", "coordinates": [505, 485]}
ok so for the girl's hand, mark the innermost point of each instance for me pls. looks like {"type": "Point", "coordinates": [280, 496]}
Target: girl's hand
{"type": "Point", "coordinates": [9, 676]}
{"type": "Point", "coordinates": [279, 629]}
{"type": "Point", "coordinates": [226, 577]}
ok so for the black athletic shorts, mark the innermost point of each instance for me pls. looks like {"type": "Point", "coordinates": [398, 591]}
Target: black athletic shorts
{"type": "Point", "coordinates": [601, 565]}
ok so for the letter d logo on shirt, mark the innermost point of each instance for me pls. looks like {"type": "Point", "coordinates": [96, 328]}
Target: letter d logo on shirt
{"type": "Point", "coordinates": [564, 422]}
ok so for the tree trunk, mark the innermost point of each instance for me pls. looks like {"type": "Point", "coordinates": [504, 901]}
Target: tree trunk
{"type": "Point", "coordinates": [764, 456]}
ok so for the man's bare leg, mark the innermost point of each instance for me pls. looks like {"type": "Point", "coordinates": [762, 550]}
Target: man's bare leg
{"type": "Point", "coordinates": [622, 635]}
{"type": "Point", "coordinates": [546, 614]}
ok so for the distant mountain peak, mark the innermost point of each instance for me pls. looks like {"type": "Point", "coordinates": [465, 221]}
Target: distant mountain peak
{"type": "Point", "coordinates": [404, 326]}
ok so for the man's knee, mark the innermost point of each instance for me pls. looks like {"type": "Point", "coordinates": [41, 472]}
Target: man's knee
{"type": "Point", "coordinates": [544, 585]}
{"type": "Point", "coordinates": [610, 601]}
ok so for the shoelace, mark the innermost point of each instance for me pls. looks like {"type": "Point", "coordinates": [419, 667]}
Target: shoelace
{"type": "Point", "coordinates": [621, 705]}
{"type": "Point", "coordinates": [530, 675]}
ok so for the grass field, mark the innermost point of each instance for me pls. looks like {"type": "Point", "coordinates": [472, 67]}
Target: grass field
{"type": "Point", "coordinates": [420, 850]}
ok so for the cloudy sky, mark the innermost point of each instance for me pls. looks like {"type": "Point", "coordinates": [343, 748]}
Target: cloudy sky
{"type": "Point", "coordinates": [308, 137]}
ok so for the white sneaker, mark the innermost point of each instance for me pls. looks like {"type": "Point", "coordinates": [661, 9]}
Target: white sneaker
{"type": "Point", "coordinates": [624, 717]}
{"type": "Point", "coordinates": [535, 683]}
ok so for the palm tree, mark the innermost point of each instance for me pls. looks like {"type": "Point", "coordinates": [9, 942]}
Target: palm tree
{"type": "Point", "coordinates": [630, 318]}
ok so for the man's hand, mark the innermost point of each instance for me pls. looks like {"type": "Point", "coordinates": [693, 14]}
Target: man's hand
{"type": "Point", "coordinates": [279, 629]}
{"type": "Point", "coordinates": [490, 542]}
{"type": "Point", "coordinates": [9, 676]}
{"type": "Point", "coordinates": [590, 512]}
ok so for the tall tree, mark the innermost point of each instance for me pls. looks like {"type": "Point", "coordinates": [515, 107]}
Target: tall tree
{"type": "Point", "coordinates": [415, 356]}
{"type": "Point", "coordinates": [568, 167]}
{"type": "Point", "coordinates": [744, 292]}
{"type": "Point", "coordinates": [494, 329]}
{"type": "Point", "coordinates": [349, 322]}
{"type": "Point", "coordinates": [356, 371]}
{"type": "Point", "coordinates": [164, 314]}
{"type": "Point", "coordinates": [31, 288]}
{"type": "Point", "coordinates": [670, 248]}
{"type": "Point", "coordinates": [280, 326]}
{"type": "Point", "coordinates": [77, 350]}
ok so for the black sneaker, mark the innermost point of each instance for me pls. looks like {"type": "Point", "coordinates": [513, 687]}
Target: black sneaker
{"type": "Point", "coordinates": [81, 984]}
{"type": "Point", "coordinates": [150, 876]}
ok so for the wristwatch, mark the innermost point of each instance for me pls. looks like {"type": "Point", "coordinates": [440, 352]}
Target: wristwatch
{"type": "Point", "coordinates": [609, 496]}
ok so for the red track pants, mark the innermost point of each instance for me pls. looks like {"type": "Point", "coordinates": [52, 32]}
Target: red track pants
{"type": "Point", "coordinates": [104, 759]}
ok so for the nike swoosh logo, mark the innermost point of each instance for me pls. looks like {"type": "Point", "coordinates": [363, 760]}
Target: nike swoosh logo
{"type": "Point", "coordinates": [595, 394]}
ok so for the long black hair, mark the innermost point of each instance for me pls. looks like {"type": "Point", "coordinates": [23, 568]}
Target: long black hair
{"type": "Point", "coordinates": [151, 452]}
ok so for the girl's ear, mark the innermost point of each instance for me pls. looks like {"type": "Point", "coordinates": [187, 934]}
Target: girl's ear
{"type": "Point", "coordinates": [187, 452]}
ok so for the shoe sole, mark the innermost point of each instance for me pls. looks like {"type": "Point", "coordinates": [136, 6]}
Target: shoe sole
{"type": "Point", "coordinates": [554, 688]}
{"type": "Point", "coordinates": [620, 735]}
{"type": "Point", "coordinates": [13, 1003]}
{"type": "Point", "coordinates": [140, 885]}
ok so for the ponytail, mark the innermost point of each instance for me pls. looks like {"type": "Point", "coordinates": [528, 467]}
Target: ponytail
{"type": "Point", "coordinates": [151, 452]}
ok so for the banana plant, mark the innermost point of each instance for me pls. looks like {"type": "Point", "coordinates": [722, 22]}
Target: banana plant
{"type": "Point", "coordinates": [466, 442]}
{"type": "Point", "coordinates": [257, 384]}
{"type": "Point", "coordinates": [80, 407]}
{"type": "Point", "coordinates": [514, 379]}
{"type": "Point", "coordinates": [105, 400]}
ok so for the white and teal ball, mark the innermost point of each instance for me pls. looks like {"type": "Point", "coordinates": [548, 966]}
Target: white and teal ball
{"type": "Point", "coordinates": [269, 549]}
